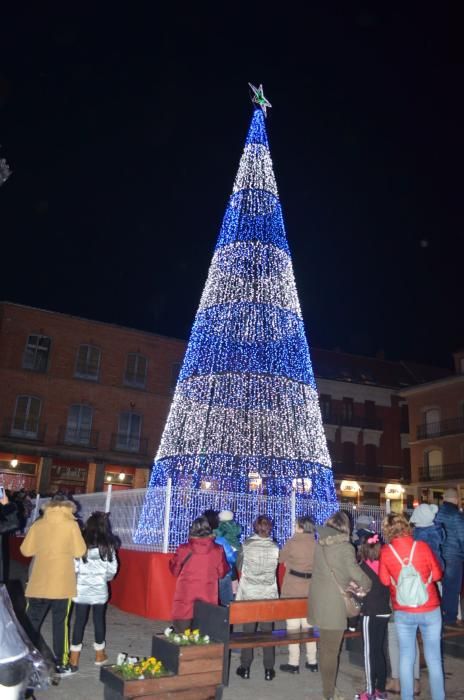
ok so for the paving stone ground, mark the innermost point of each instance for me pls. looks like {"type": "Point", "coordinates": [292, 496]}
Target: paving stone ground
{"type": "Point", "coordinates": [132, 633]}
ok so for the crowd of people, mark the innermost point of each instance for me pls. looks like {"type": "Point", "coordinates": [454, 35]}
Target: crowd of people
{"type": "Point", "coordinates": [404, 578]}
{"type": "Point", "coordinates": [71, 565]}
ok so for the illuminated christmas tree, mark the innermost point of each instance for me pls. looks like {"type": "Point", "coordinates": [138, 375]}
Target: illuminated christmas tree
{"type": "Point", "coordinates": [245, 413]}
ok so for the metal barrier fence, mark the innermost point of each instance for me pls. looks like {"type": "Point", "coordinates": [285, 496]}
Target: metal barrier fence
{"type": "Point", "coordinates": [166, 513]}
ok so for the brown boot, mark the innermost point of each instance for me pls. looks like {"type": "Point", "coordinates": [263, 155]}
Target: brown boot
{"type": "Point", "coordinates": [74, 656]}
{"type": "Point", "coordinates": [100, 654]}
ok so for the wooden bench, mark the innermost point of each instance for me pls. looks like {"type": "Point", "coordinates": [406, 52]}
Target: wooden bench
{"type": "Point", "coordinates": [280, 609]}
{"type": "Point", "coordinates": [216, 621]}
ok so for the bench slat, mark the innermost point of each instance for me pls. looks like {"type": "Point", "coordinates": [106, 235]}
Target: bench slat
{"type": "Point", "coordinates": [243, 611]}
{"type": "Point", "coordinates": [248, 640]}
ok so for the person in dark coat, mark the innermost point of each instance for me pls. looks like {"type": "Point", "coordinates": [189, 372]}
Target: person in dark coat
{"type": "Point", "coordinates": [198, 566]}
{"type": "Point", "coordinates": [375, 614]}
{"type": "Point", "coordinates": [427, 530]}
{"type": "Point", "coordinates": [452, 520]}
{"type": "Point", "coordinates": [8, 525]}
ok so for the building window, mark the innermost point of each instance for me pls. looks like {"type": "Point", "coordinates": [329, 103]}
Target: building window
{"type": "Point", "coordinates": [432, 422]}
{"type": "Point", "coordinates": [325, 403]}
{"type": "Point", "coordinates": [347, 411]}
{"type": "Point", "coordinates": [136, 370]}
{"type": "Point", "coordinates": [433, 460]}
{"type": "Point", "coordinates": [36, 353]}
{"type": "Point", "coordinates": [128, 437]}
{"type": "Point", "coordinates": [349, 459]}
{"type": "Point", "coordinates": [88, 362]}
{"type": "Point", "coordinates": [26, 418]}
{"type": "Point", "coordinates": [370, 414]}
{"type": "Point", "coordinates": [79, 425]}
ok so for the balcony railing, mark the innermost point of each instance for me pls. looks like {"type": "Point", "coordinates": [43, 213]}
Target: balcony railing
{"type": "Point", "coordinates": [81, 437]}
{"type": "Point", "coordinates": [441, 472]}
{"type": "Point", "coordinates": [29, 429]}
{"type": "Point", "coordinates": [121, 442]}
{"type": "Point", "coordinates": [362, 470]}
{"type": "Point", "coordinates": [449, 426]}
{"type": "Point", "coordinates": [363, 422]}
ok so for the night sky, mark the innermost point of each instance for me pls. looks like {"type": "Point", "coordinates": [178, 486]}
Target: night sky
{"type": "Point", "coordinates": [124, 130]}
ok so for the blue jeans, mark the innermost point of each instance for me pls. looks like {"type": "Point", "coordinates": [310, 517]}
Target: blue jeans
{"type": "Point", "coordinates": [226, 595]}
{"type": "Point", "coordinates": [429, 624]}
{"type": "Point", "coordinates": [452, 581]}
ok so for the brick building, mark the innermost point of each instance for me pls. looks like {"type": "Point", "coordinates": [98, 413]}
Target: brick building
{"type": "Point", "coordinates": [82, 403]}
{"type": "Point", "coordinates": [366, 423]}
{"type": "Point", "coordinates": [436, 411]}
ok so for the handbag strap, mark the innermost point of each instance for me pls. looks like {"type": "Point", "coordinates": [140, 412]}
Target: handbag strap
{"type": "Point", "coordinates": [342, 590]}
{"type": "Point", "coordinates": [185, 561]}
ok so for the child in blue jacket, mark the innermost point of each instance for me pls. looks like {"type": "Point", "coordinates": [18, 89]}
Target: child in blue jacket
{"type": "Point", "coordinates": [228, 536]}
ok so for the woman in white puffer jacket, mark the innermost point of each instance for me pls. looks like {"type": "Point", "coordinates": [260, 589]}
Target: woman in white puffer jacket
{"type": "Point", "coordinates": [94, 570]}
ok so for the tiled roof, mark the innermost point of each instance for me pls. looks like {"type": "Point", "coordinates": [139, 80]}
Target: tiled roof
{"type": "Point", "coordinates": [332, 364]}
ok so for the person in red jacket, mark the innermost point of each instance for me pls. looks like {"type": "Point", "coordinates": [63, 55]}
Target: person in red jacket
{"type": "Point", "coordinates": [426, 617]}
{"type": "Point", "coordinates": [198, 565]}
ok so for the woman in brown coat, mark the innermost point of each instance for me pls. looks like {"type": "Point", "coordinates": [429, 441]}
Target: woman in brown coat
{"type": "Point", "coordinates": [298, 555]}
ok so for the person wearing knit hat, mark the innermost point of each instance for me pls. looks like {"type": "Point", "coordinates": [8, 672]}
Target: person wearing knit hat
{"type": "Point", "coordinates": [424, 514]}
{"type": "Point", "coordinates": [225, 516]}
{"type": "Point", "coordinates": [228, 535]}
{"type": "Point", "coordinates": [427, 530]}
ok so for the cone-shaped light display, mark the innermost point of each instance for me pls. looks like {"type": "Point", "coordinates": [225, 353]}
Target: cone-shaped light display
{"type": "Point", "coordinates": [245, 411]}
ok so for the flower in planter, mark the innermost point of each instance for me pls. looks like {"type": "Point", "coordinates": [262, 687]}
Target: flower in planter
{"type": "Point", "coordinates": [187, 637]}
{"type": "Point", "coordinates": [138, 668]}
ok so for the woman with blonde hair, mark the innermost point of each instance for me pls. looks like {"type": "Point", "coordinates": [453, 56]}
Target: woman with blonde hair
{"type": "Point", "coordinates": [413, 610]}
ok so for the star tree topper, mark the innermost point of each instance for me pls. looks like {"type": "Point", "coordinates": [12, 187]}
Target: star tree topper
{"type": "Point", "coordinates": [259, 99]}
